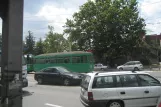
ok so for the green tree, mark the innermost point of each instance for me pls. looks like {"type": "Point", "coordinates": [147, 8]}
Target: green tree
{"type": "Point", "coordinates": [55, 42]}
{"type": "Point", "coordinates": [39, 47]}
{"type": "Point", "coordinates": [24, 47]}
{"type": "Point", "coordinates": [30, 43]}
{"type": "Point", "coordinates": [71, 33]}
{"type": "Point", "coordinates": [111, 28]}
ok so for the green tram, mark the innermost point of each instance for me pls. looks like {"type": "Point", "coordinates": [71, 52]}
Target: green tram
{"type": "Point", "coordinates": [29, 60]}
{"type": "Point", "coordinates": [77, 61]}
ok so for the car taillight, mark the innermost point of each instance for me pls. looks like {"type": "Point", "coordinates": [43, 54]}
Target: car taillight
{"type": "Point", "coordinates": [159, 105]}
{"type": "Point", "coordinates": [90, 96]}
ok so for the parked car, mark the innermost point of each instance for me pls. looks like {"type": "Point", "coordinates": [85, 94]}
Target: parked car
{"type": "Point", "coordinates": [100, 67]}
{"type": "Point", "coordinates": [58, 75]}
{"type": "Point", "coordinates": [131, 65]}
{"type": "Point", "coordinates": [120, 89]}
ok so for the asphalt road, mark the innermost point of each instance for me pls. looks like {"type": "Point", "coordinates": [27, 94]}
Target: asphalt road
{"type": "Point", "coordinates": [55, 96]}
{"type": "Point", "coordinates": [50, 96]}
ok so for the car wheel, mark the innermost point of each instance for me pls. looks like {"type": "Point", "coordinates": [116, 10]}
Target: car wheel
{"type": "Point", "coordinates": [121, 69]}
{"type": "Point", "coordinates": [66, 82]}
{"type": "Point", "coordinates": [136, 69]}
{"type": "Point", "coordinates": [115, 104]}
{"type": "Point", "coordinates": [39, 80]}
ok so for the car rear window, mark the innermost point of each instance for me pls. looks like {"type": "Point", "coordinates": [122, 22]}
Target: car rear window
{"type": "Point", "coordinates": [85, 82]}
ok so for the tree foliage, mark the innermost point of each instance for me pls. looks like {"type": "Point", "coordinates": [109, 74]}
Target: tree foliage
{"type": "Point", "coordinates": [109, 27]}
{"type": "Point", "coordinates": [54, 42]}
{"type": "Point", "coordinates": [39, 47]}
{"type": "Point", "coordinates": [71, 32]}
{"type": "Point", "coordinates": [30, 43]}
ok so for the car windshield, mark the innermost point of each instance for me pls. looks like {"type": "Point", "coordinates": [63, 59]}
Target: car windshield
{"type": "Point", "coordinates": [63, 70]}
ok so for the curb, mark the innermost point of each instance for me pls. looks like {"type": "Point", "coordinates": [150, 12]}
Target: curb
{"type": "Point", "coordinates": [147, 71]}
{"type": "Point", "coordinates": [156, 71]}
{"type": "Point", "coordinates": [153, 71]}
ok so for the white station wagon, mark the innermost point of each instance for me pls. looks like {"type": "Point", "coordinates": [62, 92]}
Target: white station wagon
{"type": "Point", "coordinates": [131, 65]}
{"type": "Point", "coordinates": [120, 89]}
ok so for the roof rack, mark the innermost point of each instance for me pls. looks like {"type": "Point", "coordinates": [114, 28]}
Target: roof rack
{"type": "Point", "coordinates": [97, 73]}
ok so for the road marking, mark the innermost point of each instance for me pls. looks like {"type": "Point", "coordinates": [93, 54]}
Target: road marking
{"type": "Point", "coordinates": [146, 71]}
{"type": "Point", "coordinates": [52, 105]}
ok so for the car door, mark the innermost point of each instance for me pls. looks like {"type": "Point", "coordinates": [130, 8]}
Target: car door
{"type": "Point", "coordinates": [104, 88]}
{"type": "Point", "coordinates": [152, 89]}
{"type": "Point", "coordinates": [126, 66]}
{"type": "Point", "coordinates": [131, 66]}
{"type": "Point", "coordinates": [129, 91]}
{"type": "Point", "coordinates": [46, 75]}
{"type": "Point", "coordinates": [54, 75]}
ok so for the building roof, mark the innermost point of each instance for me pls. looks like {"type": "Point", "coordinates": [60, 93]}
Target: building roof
{"type": "Point", "coordinates": [154, 36]}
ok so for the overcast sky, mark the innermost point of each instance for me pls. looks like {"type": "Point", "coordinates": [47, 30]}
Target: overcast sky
{"type": "Point", "coordinates": [38, 14]}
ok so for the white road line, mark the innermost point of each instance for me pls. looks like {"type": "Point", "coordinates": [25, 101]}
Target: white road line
{"type": "Point", "coordinates": [52, 105]}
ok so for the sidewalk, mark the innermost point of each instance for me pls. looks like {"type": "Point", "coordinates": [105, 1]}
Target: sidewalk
{"type": "Point", "coordinates": [153, 69]}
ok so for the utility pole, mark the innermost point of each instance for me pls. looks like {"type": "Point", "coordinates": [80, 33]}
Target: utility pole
{"type": "Point", "coordinates": [11, 12]}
